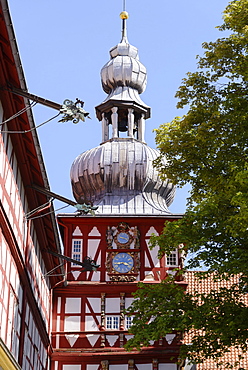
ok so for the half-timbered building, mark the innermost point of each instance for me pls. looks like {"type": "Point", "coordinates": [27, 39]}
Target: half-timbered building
{"type": "Point", "coordinates": [68, 312]}
{"type": "Point", "coordinates": [25, 235]}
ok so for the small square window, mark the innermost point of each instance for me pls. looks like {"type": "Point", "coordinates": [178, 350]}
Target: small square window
{"type": "Point", "coordinates": [77, 258]}
{"type": "Point", "coordinates": [128, 322]}
{"type": "Point", "coordinates": [112, 322]}
{"type": "Point", "coordinates": [77, 244]}
{"type": "Point", "coordinates": [76, 251]}
{"type": "Point", "coordinates": [171, 260]}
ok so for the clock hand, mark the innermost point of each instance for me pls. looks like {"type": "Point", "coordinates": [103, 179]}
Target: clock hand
{"type": "Point", "coordinates": [122, 237]}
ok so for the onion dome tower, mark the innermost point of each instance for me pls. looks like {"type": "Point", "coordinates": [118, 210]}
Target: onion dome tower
{"type": "Point", "coordinates": [118, 175]}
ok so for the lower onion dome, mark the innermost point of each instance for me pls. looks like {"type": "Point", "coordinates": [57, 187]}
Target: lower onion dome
{"type": "Point", "coordinates": [119, 174]}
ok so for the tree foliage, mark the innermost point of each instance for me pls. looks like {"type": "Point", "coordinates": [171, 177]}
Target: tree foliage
{"type": "Point", "coordinates": [208, 148]}
{"type": "Point", "coordinates": [212, 322]}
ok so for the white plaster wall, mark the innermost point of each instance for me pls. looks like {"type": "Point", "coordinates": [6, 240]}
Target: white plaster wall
{"type": "Point", "coordinates": [96, 274]}
{"type": "Point", "coordinates": [95, 304]}
{"type": "Point", "coordinates": [128, 302]}
{"type": "Point", "coordinates": [90, 323]}
{"type": "Point", "coordinates": [167, 367]}
{"type": "Point", "coordinates": [92, 367]}
{"type": "Point", "coordinates": [73, 305]}
{"type": "Point", "coordinates": [144, 366]}
{"type": "Point", "coordinates": [71, 367]}
{"type": "Point", "coordinates": [112, 305]}
{"type": "Point", "coordinates": [151, 231]}
{"type": "Point", "coordinates": [92, 248]}
{"type": "Point", "coordinates": [94, 232]}
{"type": "Point", "coordinates": [72, 323]}
{"type": "Point", "coordinates": [77, 232]}
{"type": "Point", "coordinates": [154, 254]}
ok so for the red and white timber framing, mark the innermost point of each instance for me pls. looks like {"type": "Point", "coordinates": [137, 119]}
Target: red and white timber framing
{"type": "Point", "coordinates": [25, 297]}
{"type": "Point", "coordinates": [89, 326]}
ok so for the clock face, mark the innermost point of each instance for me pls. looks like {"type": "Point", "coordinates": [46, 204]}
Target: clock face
{"type": "Point", "coordinates": [123, 238]}
{"type": "Point", "coordinates": [122, 262]}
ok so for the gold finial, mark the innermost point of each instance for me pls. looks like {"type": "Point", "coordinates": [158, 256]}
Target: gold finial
{"type": "Point", "coordinates": [124, 15]}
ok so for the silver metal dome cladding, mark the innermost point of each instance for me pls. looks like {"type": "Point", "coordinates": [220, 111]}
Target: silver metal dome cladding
{"type": "Point", "coordinates": [124, 69]}
{"type": "Point", "coordinates": [122, 170]}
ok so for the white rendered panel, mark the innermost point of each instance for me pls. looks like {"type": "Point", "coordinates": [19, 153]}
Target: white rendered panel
{"type": "Point", "coordinates": [90, 323]}
{"type": "Point", "coordinates": [94, 232]}
{"type": "Point", "coordinates": [112, 305]}
{"type": "Point", "coordinates": [71, 367]}
{"type": "Point", "coordinates": [144, 366]}
{"type": "Point", "coordinates": [92, 367]}
{"type": "Point", "coordinates": [92, 248]}
{"type": "Point", "coordinates": [57, 341]}
{"type": "Point", "coordinates": [149, 276]}
{"type": "Point", "coordinates": [77, 232]}
{"type": "Point", "coordinates": [72, 338]}
{"type": "Point", "coordinates": [95, 276]}
{"type": "Point", "coordinates": [112, 339]}
{"type": "Point", "coordinates": [118, 367]}
{"type": "Point", "coordinates": [95, 305]}
{"type": "Point", "coordinates": [151, 231]}
{"type": "Point", "coordinates": [76, 274]}
{"type": "Point", "coordinates": [128, 302]}
{"type": "Point", "coordinates": [58, 323]}
{"type": "Point", "coordinates": [147, 262]}
{"type": "Point", "coordinates": [154, 255]}
{"type": "Point", "coordinates": [167, 367]}
{"type": "Point", "coordinates": [72, 323]}
{"type": "Point", "coordinates": [92, 338]}
{"type": "Point", "coordinates": [73, 305]}
{"type": "Point", "coordinates": [170, 337]}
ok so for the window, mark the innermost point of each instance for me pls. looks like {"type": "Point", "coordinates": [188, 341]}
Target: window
{"type": "Point", "coordinates": [171, 260]}
{"type": "Point", "coordinates": [76, 251]}
{"type": "Point", "coordinates": [128, 322]}
{"type": "Point", "coordinates": [112, 322]}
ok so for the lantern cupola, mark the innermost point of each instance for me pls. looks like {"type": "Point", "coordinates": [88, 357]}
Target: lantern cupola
{"type": "Point", "coordinates": [123, 78]}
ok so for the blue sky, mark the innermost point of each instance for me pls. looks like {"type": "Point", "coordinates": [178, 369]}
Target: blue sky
{"type": "Point", "coordinates": [63, 46]}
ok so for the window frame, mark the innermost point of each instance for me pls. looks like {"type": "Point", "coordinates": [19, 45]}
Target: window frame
{"type": "Point", "coordinates": [173, 256]}
{"type": "Point", "coordinates": [113, 323]}
{"type": "Point", "coordinates": [128, 324]}
{"type": "Point", "coordinates": [78, 253]}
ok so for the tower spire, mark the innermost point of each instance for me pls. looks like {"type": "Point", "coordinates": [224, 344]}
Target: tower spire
{"type": "Point", "coordinates": [118, 175]}
{"type": "Point", "coordinates": [124, 16]}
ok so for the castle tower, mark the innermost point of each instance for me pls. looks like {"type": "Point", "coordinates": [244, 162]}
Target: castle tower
{"type": "Point", "coordinates": [89, 325]}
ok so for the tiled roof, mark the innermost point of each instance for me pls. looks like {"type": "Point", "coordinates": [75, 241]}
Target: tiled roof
{"type": "Point", "coordinates": [205, 286]}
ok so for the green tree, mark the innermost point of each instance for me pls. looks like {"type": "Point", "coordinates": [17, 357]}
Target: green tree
{"type": "Point", "coordinates": [208, 148]}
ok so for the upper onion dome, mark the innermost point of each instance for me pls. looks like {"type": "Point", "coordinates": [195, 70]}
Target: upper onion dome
{"type": "Point", "coordinates": [124, 67]}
